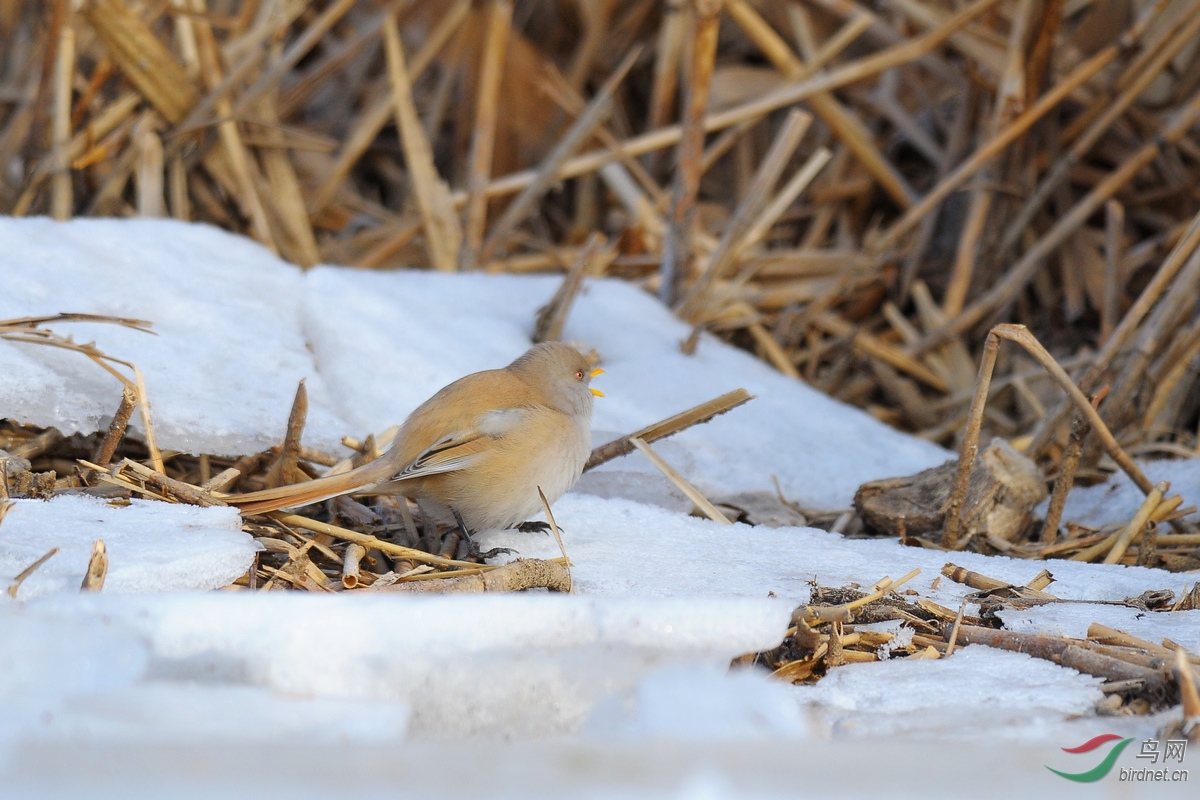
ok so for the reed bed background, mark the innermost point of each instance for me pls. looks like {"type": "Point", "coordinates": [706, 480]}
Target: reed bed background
{"type": "Point", "coordinates": [856, 192]}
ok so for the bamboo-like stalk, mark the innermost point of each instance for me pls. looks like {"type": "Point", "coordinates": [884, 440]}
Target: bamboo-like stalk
{"type": "Point", "coordinates": [479, 167]}
{"type": "Point", "coordinates": [443, 233]}
{"type": "Point", "coordinates": [64, 70]}
{"type": "Point", "coordinates": [677, 245]}
{"type": "Point", "coordinates": [681, 483]}
{"type": "Point", "coordinates": [849, 128]}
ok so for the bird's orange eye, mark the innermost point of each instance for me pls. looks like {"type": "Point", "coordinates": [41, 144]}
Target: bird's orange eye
{"type": "Point", "coordinates": [578, 374]}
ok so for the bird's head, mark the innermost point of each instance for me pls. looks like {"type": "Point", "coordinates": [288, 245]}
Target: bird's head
{"type": "Point", "coordinates": [560, 375]}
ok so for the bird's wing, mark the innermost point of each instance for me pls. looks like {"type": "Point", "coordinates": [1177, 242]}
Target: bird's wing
{"type": "Point", "coordinates": [462, 449]}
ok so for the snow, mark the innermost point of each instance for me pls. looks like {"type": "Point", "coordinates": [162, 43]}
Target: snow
{"type": "Point", "coordinates": [388, 341]}
{"type": "Point", "coordinates": [152, 546]}
{"type": "Point", "coordinates": [221, 371]}
{"type": "Point", "coordinates": [622, 547]}
{"type": "Point", "coordinates": [621, 689]}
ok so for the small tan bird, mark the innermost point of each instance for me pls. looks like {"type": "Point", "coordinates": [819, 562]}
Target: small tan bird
{"type": "Point", "coordinates": [480, 447]}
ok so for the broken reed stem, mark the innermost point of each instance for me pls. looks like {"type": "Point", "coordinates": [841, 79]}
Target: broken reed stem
{"type": "Point", "coordinates": [1179, 256]}
{"type": "Point", "coordinates": [681, 483]}
{"type": "Point", "coordinates": [848, 127]}
{"type": "Point", "coordinates": [958, 618]}
{"type": "Point", "coordinates": [1137, 524]}
{"type": "Point", "coordinates": [1066, 163]}
{"type": "Point", "coordinates": [993, 147]}
{"type": "Point", "coordinates": [286, 467]}
{"type": "Point", "coordinates": [116, 428]}
{"type": "Point", "coordinates": [369, 124]}
{"type": "Point", "coordinates": [516, 576]}
{"type": "Point", "coordinates": [97, 568]}
{"type": "Point", "coordinates": [552, 317]}
{"type": "Point", "coordinates": [184, 492]}
{"type": "Point", "coordinates": [1065, 480]}
{"type": "Point", "coordinates": [15, 586]}
{"type": "Point", "coordinates": [554, 529]}
{"type": "Point", "coordinates": [668, 427]}
{"type": "Point", "coordinates": [368, 541]}
{"type": "Point", "coordinates": [479, 168]}
{"type": "Point", "coordinates": [351, 565]}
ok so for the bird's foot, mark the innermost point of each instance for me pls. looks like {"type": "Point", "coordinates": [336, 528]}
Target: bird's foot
{"type": "Point", "coordinates": [493, 553]}
{"type": "Point", "coordinates": [535, 526]}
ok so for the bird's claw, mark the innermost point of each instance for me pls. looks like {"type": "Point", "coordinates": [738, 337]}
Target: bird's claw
{"type": "Point", "coordinates": [534, 526]}
{"type": "Point", "coordinates": [494, 552]}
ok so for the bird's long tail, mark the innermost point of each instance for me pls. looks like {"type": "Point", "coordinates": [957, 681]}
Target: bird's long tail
{"type": "Point", "coordinates": [302, 494]}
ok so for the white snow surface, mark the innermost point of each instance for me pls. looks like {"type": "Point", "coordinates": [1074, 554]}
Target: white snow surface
{"type": "Point", "coordinates": [621, 689]}
{"type": "Point", "coordinates": [151, 546]}
{"type": "Point", "coordinates": [221, 371]}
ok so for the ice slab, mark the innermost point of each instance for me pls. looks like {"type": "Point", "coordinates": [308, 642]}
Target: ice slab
{"type": "Point", "coordinates": [152, 546]}
{"type": "Point", "coordinates": [996, 696]}
{"type": "Point", "coordinates": [386, 342]}
{"type": "Point", "coordinates": [196, 713]}
{"type": "Point", "coordinates": [229, 351]}
{"type": "Point", "coordinates": [1070, 619]}
{"type": "Point", "coordinates": [623, 547]}
{"type": "Point", "coordinates": [509, 666]}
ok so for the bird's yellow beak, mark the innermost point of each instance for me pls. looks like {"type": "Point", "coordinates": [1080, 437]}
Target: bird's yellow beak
{"type": "Point", "coordinates": [595, 372]}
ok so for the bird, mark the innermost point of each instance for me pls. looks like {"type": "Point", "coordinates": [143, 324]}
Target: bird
{"type": "Point", "coordinates": [481, 447]}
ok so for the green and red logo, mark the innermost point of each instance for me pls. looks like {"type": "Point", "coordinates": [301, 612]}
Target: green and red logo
{"type": "Point", "coordinates": [1104, 767]}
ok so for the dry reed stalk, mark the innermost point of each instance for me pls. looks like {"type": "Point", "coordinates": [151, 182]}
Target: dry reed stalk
{"type": "Point", "coordinates": [142, 57]}
{"type": "Point", "coordinates": [297, 243]}
{"type": "Point", "coordinates": [552, 167]}
{"type": "Point", "coordinates": [552, 318]}
{"type": "Point", "coordinates": [1023, 271]}
{"type": "Point", "coordinates": [479, 168]}
{"type": "Point", "coordinates": [15, 586]}
{"type": "Point", "coordinates": [695, 304]}
{"type": "Point", "coordinates": [1137, 524]}
{"type": "Point", "coordinates": [62, 197]}
{"type": "Point", "coordinates": [752, 109]}
{"type": "Point", "coordinates": [243, 185]}
{"type": "Point", "coordinates": [677, 245]}
{"type": "Point", "coordinates": [554, 529]}
{"type": "Point", "coordinates": [97, 568]}
{"type": "Point", "coordinates": [668, 55]}
{"type": "Point", "coordinates": [368, 541]}
{"type": "Point", "coordinates": [970, 444]}
{"type": "Point", "coordinates": [681, 483]}
{"type": "Point", "coordinates": [668, 427]}
{"type": "Point", "coordinates": [443, 234]}
{"type": "Point", "coordinates": [351, 565]}
{"type": "Point", "coordinates": [373, 120]}
{"type": "Point", "coordinates": [848, 127]}
{"type": "Point", "coordinates": [116, 429]}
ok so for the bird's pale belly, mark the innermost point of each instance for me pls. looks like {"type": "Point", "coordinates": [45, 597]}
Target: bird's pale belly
{"type": "Point", "coordinates": [511, 497]}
